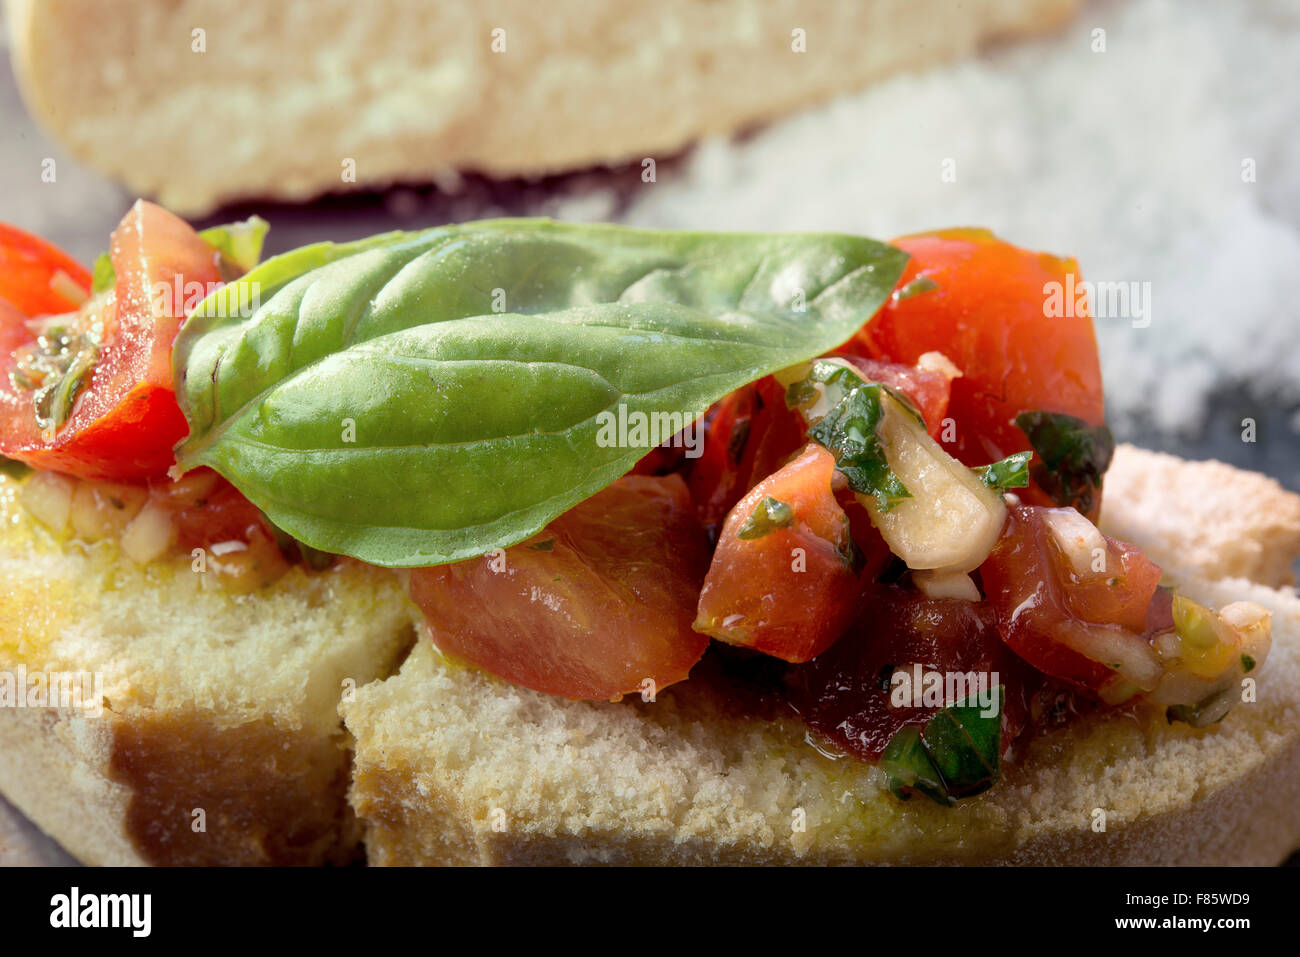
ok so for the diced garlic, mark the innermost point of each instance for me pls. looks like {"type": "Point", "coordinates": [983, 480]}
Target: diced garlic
{"type": "Point", "coordinates": [940, 584]}
{"type": "Point", "coordinates": [149, 535]}
{"type": "Point", "coordinates": [952, 519]}
{"type": "Point", "coordinates": [1080, 541]}
{"type": "Point", "coordinates": [47, 496]}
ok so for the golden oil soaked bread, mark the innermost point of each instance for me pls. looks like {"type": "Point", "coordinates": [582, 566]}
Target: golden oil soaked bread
{"type": "Point", "coordinates": [397, 90]}
{"type": "Point", "coordinates": [214, 702]}
{"type": "Point", "coordinates": [455, 766]}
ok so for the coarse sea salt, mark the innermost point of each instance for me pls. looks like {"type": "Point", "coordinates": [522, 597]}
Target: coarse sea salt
{"type": "Point", "coordinates": [1171, 158]}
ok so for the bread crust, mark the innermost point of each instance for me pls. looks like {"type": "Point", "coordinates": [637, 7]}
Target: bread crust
{"type": "Point", "coordinates": [425, 93]}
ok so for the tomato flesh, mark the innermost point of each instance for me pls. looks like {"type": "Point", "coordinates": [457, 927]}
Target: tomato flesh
{"type": "Point", "coordinates": [791, 591]}
{"type": "Point", "coordinates": [844, 694]}
{"type": "Point", "coordinates": [1044, 606]}
{"type": "Point", "coordinates": [597, 605]}
{"type": "Point", "coordinates": [751, 434]}
{"type": "Point", "coordinates": [986, 313]}
{"type": "Point", "coordinates": [37, 278]}
{"type": "Point", "coordinates": [125, 421]}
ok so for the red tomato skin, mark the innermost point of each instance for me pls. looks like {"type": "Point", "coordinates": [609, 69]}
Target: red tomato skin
{"type": "Point", "coordinates": [28, 266]}
{"type": "Point", "coordinates": [844, 694]}
{"type": "Point", "coordinates": [754, 594]}
{"type": "Point", "coordinates": [605, 606]}
{"type": "Point", "coordinates": [1032, 591]}
{"type": "Point", "coordinates": [987, 315]}
{"type": "Point", "coordinates": [126, 420]}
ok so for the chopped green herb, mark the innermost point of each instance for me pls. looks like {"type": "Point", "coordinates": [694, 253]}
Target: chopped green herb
{"type": "Point", "coordinates": [102, 277]}
{"type": "Point", "coordinates": [909, 768]}
{"type": "Point", "coordinates": [543, 546]}
{"type": "Point", "coordinates": [955, 755]}
{"type": "Point", "coordinates": [1209, 710]}
{"type": "Point", "coordinates": [1074, 456]}
{"type": "Point", "coordinates": [240, 245]}
{"type": "Point", "coordinates": [1247, 664]}
{"type": "Point", "coordinates": [1011, 472]}
{"type": "Point", "coordinates": [914, 288]}
{"type": "Point", "coordinates": [848, 428]}
{"type": "Point", "coordinates": [768, 515]}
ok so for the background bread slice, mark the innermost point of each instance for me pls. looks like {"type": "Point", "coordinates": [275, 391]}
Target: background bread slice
{"type": "Point", "coordinates": [1212, 519]}
{"type": "Point", "coordinates": [211, 702]}
{"type": "Point", "coordinates": [286, 92]}
{"type": "Point", "coordinates": [455, 766]}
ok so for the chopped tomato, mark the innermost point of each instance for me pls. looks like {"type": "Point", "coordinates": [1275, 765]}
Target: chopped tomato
{"type": "Point", "coordinates": [597, 605]}
{"type": "Point", "coordinates": [210, 514]}
{"type": "Point", "coordinates": [871, 545]}
{"type": "Point", "coordinates": [751, 434]}
{"type": "Point", "coordinates": [1078, 611]}
{"type": "Point", "coordinates": [111, 364]}
{"type": "Point", "coordinates": [782, 579]}
{"type": "Point", "coordinates": [844, 694]}
{"type": "Point", "coordinates": [986, 312]}
{"type": "Point", "coordinates": [38, 278]}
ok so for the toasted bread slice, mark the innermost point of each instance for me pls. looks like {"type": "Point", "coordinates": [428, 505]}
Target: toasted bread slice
{"type": "Point", "coordinates": [455, 766]}
{"type": "Point", "coordinates": [398, 91]}
{"type": "Point", "coordinates": [218, 740]}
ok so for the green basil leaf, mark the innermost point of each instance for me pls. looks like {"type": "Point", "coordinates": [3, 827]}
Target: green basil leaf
{"type": "Point", "coordinates": [965, 747]}
{"type": "Point", "coordinates": [1011, 472]}
{"type": "Point", "coordinates": [908, 768]}
{"type": "Point", "coordinates": [240, 244]}
{"type": "Point", "coordinates": [1074, 454]}
{"type": "Point", "coordinates": [102, 276]}
{"type": "Point", "coordinates": [768, 515]}
{"type": "Point", "coordinates": [372, 402]}
{"type": "Point", "coordinates": [956, 755]}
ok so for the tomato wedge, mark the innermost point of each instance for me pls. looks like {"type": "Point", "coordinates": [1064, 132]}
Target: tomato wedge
{"type": "Point", "coordinates": [782, 579]}
{"type": "Point", "coordinates": [597, 605]}
{"type": "Point", "coordinates": [1080, 613]}
{"type": "Point", "coordinates": [111, 363]}
{"type": "Point", "coordinates": [38, 278]}
{"type": "Point", "coordinates": [981, 303]}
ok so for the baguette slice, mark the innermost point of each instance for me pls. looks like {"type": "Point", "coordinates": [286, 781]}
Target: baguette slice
{"type": "Point", "coordinates": [455, 766]}
{"type": "Point", "coordinates": [211, 702]}
{"type": "Point", "coordinates": [286, 98]}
